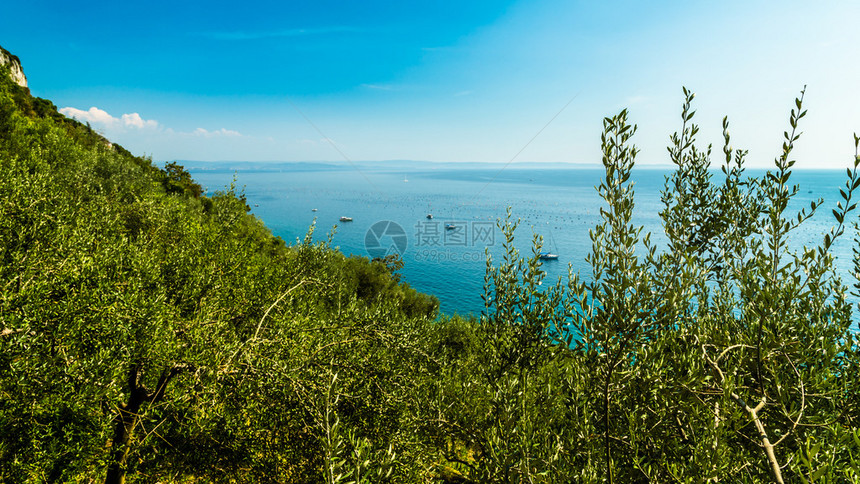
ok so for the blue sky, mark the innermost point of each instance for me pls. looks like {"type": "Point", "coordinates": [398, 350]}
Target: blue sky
{"type": "Point", "coordinates": [441, 80]}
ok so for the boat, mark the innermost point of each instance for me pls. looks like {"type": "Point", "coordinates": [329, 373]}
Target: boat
{"type": "Point", "coordinates": [313, 210]}
{"type": "Point", "coordinates": [429, 216]}
{"type": "Point", "coordinates": [549, 255]}
{"type": "Point", "coordinates": [450, 226]}
{"type": "Point", "coordinates": [346, 219]}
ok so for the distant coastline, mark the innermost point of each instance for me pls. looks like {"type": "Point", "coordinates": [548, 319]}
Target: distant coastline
{"type": "Point", "coordinates": [385, 165]}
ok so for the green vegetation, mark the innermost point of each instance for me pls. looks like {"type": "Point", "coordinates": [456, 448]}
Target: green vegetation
{"type": "Point", "coordinates": [151, 333]}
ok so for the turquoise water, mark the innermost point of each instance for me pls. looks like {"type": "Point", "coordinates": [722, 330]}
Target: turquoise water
{"type": "Point", "coordinates": [558, 202]}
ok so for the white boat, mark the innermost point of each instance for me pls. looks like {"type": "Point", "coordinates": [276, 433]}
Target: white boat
{"type": "Point", "coordinates": [549, 255]}
{"type": "Point", "coordinates": [313, 210]}
{"type": "Point", "coordinates": [429, 216]}
{"type": "Point", "coordinates": [346, 219]}
{"type": "Point", "coordinates": [450, 226]}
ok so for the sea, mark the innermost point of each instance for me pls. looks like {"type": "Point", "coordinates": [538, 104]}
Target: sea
{"type": "Point", "coordinates": [446, 255]}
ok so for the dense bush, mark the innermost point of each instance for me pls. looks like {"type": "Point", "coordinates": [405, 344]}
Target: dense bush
{"type": "Point", "coordinates": [151, 331]}
{"type": "Point", "coordinates": [723, 356]}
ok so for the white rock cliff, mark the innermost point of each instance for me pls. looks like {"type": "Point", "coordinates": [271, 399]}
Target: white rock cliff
{"type": "Point", "coordinates": [6, 58]}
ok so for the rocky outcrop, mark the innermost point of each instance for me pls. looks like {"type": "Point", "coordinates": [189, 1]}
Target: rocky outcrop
{"type": "Point", "coordinates": [17, 72]}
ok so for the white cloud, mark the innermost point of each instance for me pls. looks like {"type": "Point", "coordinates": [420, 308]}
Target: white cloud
{"type": "Point", "coordinates": [94, 115]}
{"type": "Point", "coordinates": [219, 132]}
{"type": "Point", "coordinates": [134, 120]}
{"type": "Point", "coordinates": [101, 117]}
{"type": "Point", "coordinates": [378, 87]}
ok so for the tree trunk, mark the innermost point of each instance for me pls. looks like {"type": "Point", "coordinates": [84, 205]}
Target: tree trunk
{"type": "Point", "coordinates": [130, 412]}
{"type": "Point", "coordinates": [606, 423]}
{"type": "Point", "coordinates": [123, 427]}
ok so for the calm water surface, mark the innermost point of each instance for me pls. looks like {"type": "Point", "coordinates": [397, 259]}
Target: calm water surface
{"type": "Point", "coordinates": [559, 203]}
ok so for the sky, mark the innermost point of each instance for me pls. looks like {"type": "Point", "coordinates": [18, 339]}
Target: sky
{"type": "Point", "coordinates": [449, 81]}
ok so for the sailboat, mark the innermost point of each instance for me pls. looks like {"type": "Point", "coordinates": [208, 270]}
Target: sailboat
{"type": "Point", "coordinates": [549, 255]}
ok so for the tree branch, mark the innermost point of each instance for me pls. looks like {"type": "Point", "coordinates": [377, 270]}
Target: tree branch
{"type": "Point", "coordinates": [753, 412]}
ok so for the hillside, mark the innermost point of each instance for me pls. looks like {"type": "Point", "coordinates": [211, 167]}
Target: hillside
{"type": "Point", "coordinates": [150, 332]}
{"type": "Point", "coordinates": [130, 300]}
